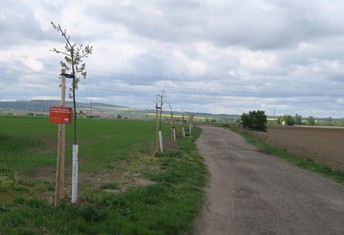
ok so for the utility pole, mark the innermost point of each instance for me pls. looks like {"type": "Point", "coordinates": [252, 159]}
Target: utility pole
{"type": "Point", "coordinates": [59, 189]}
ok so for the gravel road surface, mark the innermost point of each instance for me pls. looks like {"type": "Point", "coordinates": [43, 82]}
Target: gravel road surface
{"type": "Point", "coordinates": [253, 193]}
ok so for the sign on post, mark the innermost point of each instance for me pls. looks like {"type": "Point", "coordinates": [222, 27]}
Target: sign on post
{"type": "Point", "coordinates": [60, 115]}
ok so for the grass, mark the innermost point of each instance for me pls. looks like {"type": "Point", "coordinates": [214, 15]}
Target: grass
{"type": "Point", "coordinates": [304, 163]}
{"type": "Point", "coordinates": [114, 155]}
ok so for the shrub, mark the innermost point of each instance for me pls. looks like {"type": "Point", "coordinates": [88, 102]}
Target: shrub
{"type": "Point", "coordinates": [255, 120]}
{"type": "Point", "coordinates": [287, 120]}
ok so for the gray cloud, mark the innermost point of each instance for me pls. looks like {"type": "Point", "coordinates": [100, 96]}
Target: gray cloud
{"type": "Point", "coordinates": [209, 56]}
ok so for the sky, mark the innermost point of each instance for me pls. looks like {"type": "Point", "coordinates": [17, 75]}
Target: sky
{"type": "Point", "coordinates": [214, 56]}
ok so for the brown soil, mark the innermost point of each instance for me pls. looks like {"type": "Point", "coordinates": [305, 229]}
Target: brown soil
{"type": "Point", "coordinates": [322, 144]}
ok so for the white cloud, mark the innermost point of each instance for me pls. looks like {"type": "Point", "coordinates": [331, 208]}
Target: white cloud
{"type": "Point", "coordinates": [46, 98]}
{"type": "Point", "coordinates": [33, 64]}
{"type": "Point", "coordinates": [210, 56]}
{"type": "Point", "coordinates": [257, 60]}
{"type": "Point", "coordinates": [194, 67]}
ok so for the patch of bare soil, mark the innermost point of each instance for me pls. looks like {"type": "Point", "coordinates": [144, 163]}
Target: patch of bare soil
{"type": "Point", "coordinates": [322, 144]}
{"type": "Point", "coordinates": [125, 175]}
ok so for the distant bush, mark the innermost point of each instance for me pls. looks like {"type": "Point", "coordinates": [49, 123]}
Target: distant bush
{"type": "Point", "coordinates": [287, 120]}
{"type": "Point", "coordinates": [255, 120]}
{"type": "Point", "coordinates": [226, 125]}
{"type": "Point", "coordinates": [311, 120]}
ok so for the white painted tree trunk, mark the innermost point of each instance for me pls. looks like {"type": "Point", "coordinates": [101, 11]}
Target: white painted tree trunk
{"type": "Point", "coordinates": [75, 174]}
{"type": "Point", "coordinates": [160, 141]}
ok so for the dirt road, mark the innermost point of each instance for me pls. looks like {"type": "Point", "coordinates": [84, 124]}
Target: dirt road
{"type": "Point", "coordinates": [253, 193]}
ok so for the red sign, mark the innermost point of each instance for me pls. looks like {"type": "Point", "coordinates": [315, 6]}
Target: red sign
{"type": "Point", "coordinates": [60, 115]}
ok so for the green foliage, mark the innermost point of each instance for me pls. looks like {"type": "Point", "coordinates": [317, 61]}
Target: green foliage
{"type": "Point", "coordinates": [73, 56]}
{"type": "Point", "coordinates": [311, 121]}
{"type": "Point", "coordinates": [286, 120]}
{"type": "Point", "coordinates": [255, 120]}
{"type": "Point", "coordinates": [328, 122]}
{"type": "Point", "coordinates": [298, 119]}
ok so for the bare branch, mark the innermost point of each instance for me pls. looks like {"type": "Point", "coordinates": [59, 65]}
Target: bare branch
{"type": "Point", "coordinates": [59, 52]}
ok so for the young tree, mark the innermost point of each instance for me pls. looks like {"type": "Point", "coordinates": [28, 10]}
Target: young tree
{"type": "Point", "coordinates": [73, 60]}
{"type": "Point", "coordinates": [172, 117]}
{"type": "Point", "coordinates": [255, 120]}
{"type": "Point", "coordinates": [158, 106]}
{"type": "Point", "coordinates": [162, 97]}
{"type": "Point", "coordinates": [173, 128]}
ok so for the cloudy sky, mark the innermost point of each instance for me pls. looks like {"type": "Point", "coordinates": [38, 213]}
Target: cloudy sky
{"type": "Point", "coordinates": [217, 56]}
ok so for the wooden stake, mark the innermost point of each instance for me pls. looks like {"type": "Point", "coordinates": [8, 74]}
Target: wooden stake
{"type": "Point", "coordinates": [59, 190]}
{"type": "Point", "coordinates": [157, 123]}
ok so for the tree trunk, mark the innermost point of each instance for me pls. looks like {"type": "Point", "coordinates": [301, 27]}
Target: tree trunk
{"type": "Point", "coordinates": [73, 94]}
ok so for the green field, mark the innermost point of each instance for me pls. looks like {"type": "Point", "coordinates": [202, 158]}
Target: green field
{"type": "Point", "coordinates": [123, 187]}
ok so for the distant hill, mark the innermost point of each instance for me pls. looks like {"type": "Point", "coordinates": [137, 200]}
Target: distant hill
{"type": "Point", "coordinates": [41, 107]}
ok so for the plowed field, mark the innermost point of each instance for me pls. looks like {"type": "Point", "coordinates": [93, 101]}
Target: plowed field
{"type": "Point", "coordinates": [322, 144]}
{"type": "Point", "coordinates": [252, 193]}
